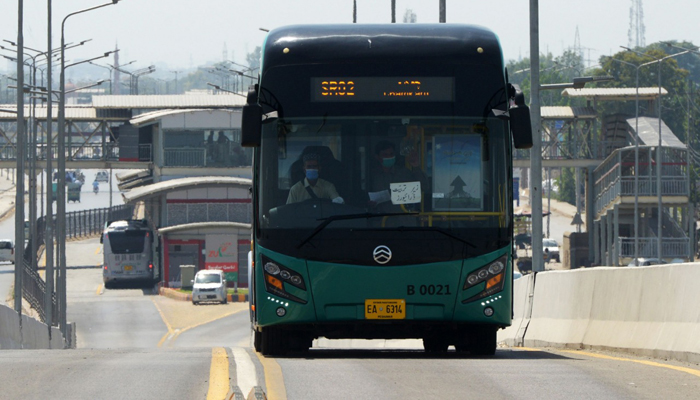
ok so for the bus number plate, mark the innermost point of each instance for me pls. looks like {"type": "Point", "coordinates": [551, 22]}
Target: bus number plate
{"type": "Point", "coordinates": [385, 309]}
{"type": "Point", "coordinates": [128, 268]}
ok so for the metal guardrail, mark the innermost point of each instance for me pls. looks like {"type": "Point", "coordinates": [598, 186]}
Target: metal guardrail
{"type": "Point", "coordinates": [111, 151]}
{"type": "Point", "coordinates": [34, 290]}
{"type": "Point", "coordinates": [185, 157]}
{"type": "Point", "coordinates": [671, 247]}
{"type": "Point", "coordinates": [82, 223]}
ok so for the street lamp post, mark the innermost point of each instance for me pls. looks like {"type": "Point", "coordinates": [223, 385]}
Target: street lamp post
{"type": "Point", "coordinates": [636, 159]}
{"type": "Point", "coordinates": [61, 195]}
{"type": "Point", "coordinates": [659, 155]}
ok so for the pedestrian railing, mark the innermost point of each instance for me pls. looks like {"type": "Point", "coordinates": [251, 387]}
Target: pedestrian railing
{"type": "Point", "coordinates": [79, 224]}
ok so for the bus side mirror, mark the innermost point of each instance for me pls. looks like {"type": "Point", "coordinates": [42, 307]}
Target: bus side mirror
{"type": "Point", "coordinates": [102, 238]}
{"type": "Point", "coordinates": [251, 120]}
{"type": "Point", "coordinates": [520, 127]}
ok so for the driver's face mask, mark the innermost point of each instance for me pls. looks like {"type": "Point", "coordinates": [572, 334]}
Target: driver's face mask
{"type": "Point", "coordinates": [388, 162]}
{"type": "Point", "coordinates": [312, 174]}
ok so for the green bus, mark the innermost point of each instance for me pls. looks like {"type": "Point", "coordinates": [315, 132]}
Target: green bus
{"type": "Point", "coordinates": [382, 186]}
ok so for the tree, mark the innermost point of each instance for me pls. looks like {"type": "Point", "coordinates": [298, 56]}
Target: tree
{"type": "Point", "coordinates": [253, 58]}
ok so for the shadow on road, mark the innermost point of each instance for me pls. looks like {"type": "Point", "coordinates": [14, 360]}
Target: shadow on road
{"type": "Point", "coordinates": [501, 354]}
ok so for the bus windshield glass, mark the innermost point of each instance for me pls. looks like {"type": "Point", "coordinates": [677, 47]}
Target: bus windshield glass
{"type": "Point", "coordinates": [384, 173]}
{"type": "Point", "coordinates": [208, 278]}
{"type": "Point", "coordinates": [127, 242]}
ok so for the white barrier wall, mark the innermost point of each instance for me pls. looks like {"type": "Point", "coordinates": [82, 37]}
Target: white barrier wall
{"type": "Point", "coordinates": [34, 334]}
{"type": "Point", "coordinates": [651, 311]}
{"type": "Point", "coordinates": [513, 335]}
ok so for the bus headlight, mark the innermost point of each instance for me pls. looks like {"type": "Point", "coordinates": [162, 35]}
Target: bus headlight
{"type": "Point", "coordinates": [277, 275]}
{"type": "Point", "coordinates": [492, 274]}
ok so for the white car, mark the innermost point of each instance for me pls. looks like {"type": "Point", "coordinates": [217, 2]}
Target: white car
{"type": "Point", "coordinates": [551, 248]}
{"type": "Point", "coordinates": [209, 285]}
{"type": "Point", "coordinates": [7, 250]}
{"type": "Point", "coordinates": [643, 262]}
{"type": "Point", "coordinates": [102, 176]}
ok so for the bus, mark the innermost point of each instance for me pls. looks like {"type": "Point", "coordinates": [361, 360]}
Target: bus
{"type": "Point", "coordinates": [127, 249]}
{"type": "Point", "coordinates": [382, 186]}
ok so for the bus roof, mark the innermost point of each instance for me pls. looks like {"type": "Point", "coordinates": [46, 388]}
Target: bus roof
{"type": "Point", "coordinates": [311, 44]}
{"type": "Point", "coordinates": [132, 224]}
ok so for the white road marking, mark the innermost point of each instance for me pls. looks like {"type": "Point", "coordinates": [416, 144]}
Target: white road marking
{"type": "Point", "coordinates": [246, 377]}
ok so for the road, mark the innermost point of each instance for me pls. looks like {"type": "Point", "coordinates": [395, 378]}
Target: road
{"type": "Point", "coordinates": [89, 200]}
{"type": "Point", "coordinates": [132, 343]}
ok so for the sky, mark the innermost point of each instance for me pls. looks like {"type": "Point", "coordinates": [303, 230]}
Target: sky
{"type": "Point", "coordinates": [178, 35]}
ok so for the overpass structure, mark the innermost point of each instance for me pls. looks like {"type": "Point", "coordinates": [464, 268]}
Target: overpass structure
{"type": "Point", "coordinates": [101, 135]}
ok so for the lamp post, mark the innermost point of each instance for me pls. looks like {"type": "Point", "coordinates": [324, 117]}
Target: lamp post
{"type": "Point", "coordinates": [19, 189]}
{"type": "Point", "coordinates": [61, 197]}
{"type": "Point", "coordinates": [636, 158]}
{"type": "Point", "coordinates": [659, 155]}
{"type": "Point", "coordinates": [140, 72]}
{"type": "Point", "coordinates": [217, 87]}
{"type": "Point", "coordinates": [175, 72]}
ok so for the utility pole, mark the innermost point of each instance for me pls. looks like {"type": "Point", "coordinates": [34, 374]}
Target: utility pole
{"type": "Point", "coordinates": [354, 11]}
{"type": "Point", "coordinates": [48, 219]}
{"type": "Point", "coordinates": [536, 150]}
{"type": "Point", "coordinates": [443, 12]}
{"type": "Point", "coordinates": [21, 151]}
{"type": "Point", "coordinates": [393, 11]}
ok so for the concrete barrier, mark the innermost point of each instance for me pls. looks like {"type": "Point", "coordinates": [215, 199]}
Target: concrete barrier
{"type": "Point", "coordinates": [651, 311]}
{"type": "Point", "coordinates": [32, 335]}
{"type": "Point", "coordinates": [522, 303]}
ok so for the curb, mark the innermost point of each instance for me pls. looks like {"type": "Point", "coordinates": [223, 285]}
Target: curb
{"type": "Point", "coordinates": [176, 295]}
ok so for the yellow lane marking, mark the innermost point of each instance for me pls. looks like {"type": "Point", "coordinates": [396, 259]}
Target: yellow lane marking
{"type": "Point", "coordinates": [274, 381]}
{"type": "Point", "coordinates": [99, 289]}
{"type": "Point", "coordinates": [167, 324]}
{"type": "Point", "coordinates": [645, 362]}
{"type": "Point", "coordinates": [175, 333]}
{"type": "Point", "coordinates": [218, 374]}
{"type": "Point", "coordinates": [180, 331]}
{"type": "Point", "coordinates": [526, 349]}
{"type": "Point", "coordinates": [97, 250]}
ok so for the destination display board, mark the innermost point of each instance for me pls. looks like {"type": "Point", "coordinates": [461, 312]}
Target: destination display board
{"type": "Point", "coordinates": [384, 89]}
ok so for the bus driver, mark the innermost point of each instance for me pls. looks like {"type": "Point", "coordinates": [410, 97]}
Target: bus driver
{"type": "Point", "coordinates": [313, 187]}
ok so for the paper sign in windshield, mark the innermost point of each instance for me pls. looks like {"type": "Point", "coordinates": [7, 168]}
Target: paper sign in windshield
{"type": "Point", "coordinates": [405, 192]}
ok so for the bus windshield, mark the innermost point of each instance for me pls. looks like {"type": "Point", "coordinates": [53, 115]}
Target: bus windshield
{"type": "Point", "coordinates": [127, 242]}
{"type": "Point", "coordinates": [384, 173]}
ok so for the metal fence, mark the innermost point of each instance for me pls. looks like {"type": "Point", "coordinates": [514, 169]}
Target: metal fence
{"type": "Point", "coordinates": [82, 223]}
{"type": "Point", "coordinates": [34, 290]}
{"type": "Point", "coordinates": [110, 151]}
{"type": "Point", "coordinates": [184, 157]}
{"type": "Point", "coordinates": [671, 247]}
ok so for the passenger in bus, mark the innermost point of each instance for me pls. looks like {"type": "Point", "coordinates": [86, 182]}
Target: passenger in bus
{"type": "Point", "coordinates": [311, 186]}
{"type": "Point", "coordinates": [387, 171]}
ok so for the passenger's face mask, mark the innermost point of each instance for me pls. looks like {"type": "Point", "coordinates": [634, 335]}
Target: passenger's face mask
{"type": "Point", "coordinates": [312, 174]}
{"type": "Point", "coordinates": [388, 162]}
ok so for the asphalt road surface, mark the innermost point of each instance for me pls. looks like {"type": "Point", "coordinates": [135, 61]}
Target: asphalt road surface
{"type": "Point", "coordinates": [132, 343]}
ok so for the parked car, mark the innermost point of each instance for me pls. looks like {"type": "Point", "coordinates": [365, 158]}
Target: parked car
{"type": "Point", "coordinates": [551, 249]}
{"type": "Point", "coordinates": [102, 176]}
{"type": "Point", "coordinates": [209, 285]}
{"type": "Point", "coordinates": [7, 250]}
{"type": "Point", "coordinates": [645, 262]}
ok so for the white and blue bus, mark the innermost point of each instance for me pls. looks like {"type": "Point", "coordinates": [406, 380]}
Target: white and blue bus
{"type": "Point", "coordinates": [128, 255]}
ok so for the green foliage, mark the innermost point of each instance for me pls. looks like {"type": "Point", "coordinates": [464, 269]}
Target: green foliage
{"type": "Point", "coordinates": [622, 67]}
{"type": "Point", "coordinates": [567, 186]}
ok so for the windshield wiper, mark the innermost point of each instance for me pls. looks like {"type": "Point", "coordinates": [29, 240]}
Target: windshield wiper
{"type": "Point", "coordinates": [327, 221]}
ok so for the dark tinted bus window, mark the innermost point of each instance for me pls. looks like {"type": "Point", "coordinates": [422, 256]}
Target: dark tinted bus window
{"type": "Point", "coordinates": [127, 242]}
